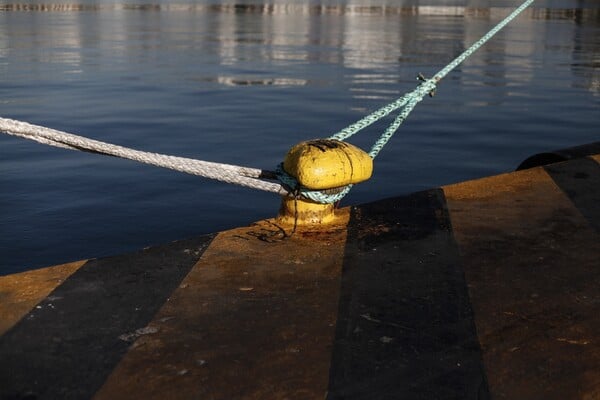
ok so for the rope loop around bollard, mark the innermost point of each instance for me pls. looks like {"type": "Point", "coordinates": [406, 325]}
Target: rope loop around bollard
{"type": "Point", "coordinates": [294, 188]}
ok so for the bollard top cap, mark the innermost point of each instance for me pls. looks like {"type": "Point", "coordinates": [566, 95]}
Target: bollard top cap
{"type": "Point", "coordinates": [327, 163]}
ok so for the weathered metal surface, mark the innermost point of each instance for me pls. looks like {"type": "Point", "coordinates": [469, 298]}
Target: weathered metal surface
{"type": "Point", "coordinates": [253, 319]}
{"type": "Point", "coordinates": [405, 328]}
{"type": "Point", "coordinates": [66, 346]}
{"type": "Point", "coordinates": [19, 293]}
{"type": "Point", "coordinates": [532, 265]}
{"type": "Point", "coordinates": [484, 289]}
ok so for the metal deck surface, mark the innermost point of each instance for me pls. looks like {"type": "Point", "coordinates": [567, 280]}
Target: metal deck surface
{"type": "Point", "coordinates": [482, 289]}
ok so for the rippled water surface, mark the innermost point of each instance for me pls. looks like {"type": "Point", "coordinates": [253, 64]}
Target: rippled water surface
{"type": "Point", "coordinates": [241, 82]}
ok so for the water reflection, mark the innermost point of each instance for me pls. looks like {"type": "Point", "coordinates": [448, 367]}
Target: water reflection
{"type": "Point", "coordinates": [361, 38]}
{"type": "Point", "coordinates": [381, 46]}
{"type": "Point", "coordinates": [357, 36]}
{"type": "Point", "coordinates": [407, 7]}
{"type": "Point", "coordinates": [586, 53]}
{"type": "Point", "coordinates": [240, 81]}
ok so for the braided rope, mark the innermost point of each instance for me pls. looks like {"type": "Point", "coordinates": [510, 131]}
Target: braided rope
{"type": "Point", "coordinates": [319, 196]}
{"type": "Point", "coordinates": [444, 71]}
{"type": "Point", "coordinates": [428, 86]}
{"type": "Point", "coordinates": [407, 103]}
{"type": "Point", "coordinates": [242, 176]}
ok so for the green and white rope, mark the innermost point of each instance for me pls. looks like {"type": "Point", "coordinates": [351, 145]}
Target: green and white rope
{"type": "Point", "coordinates": [406, 103]}
{"type": "Point", "coordinates": [428, 86]}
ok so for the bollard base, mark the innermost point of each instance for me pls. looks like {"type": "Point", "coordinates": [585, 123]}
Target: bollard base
{"type": "Point", "coordinates": [304, 212]}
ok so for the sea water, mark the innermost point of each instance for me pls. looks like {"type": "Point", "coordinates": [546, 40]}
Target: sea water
{"type": "Point", "coordinates": [242, 81]}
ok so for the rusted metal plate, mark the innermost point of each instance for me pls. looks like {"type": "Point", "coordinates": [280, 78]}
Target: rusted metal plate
{"type": "Point", "coordinates": [19, 293]}
{"type": "Point", "coordinates": [254, 319]}
{"type": "Point", "coordinates": [531, 263]}
{"type": "Point", "coordinates": [66, 346]}
{"type": "Point", "coordinates": [485, 289]}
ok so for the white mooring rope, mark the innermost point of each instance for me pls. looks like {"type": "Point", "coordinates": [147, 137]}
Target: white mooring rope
{"type": "Point", "coordinates": [243, 176]}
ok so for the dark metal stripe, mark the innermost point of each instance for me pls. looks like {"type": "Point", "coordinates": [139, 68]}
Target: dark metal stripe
{"type": "Point", "coordinates": [66, 347]}
{"type": "Point", "coordinates": [405, 325]}
{"type": "Point", "coordinates": [580, 181]}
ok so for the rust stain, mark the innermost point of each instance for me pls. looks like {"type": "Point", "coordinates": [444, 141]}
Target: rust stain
{"type": "Point", "coordinates": [254, 319]}
{"type": "Point", "coordinates": [19, 293]}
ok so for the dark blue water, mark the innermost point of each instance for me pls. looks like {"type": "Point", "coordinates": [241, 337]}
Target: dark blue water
{"type": "Point", "coordinates": [242, 82]}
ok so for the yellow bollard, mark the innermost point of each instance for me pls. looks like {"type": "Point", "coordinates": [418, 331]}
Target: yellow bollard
{"type": "Point", "coordinates": [321, 164]}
